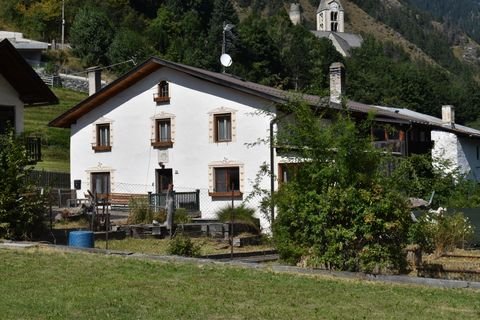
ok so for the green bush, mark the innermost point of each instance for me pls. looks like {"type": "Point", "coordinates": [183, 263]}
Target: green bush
{"type": "Point", "coordinates": [141, 212]}
{"type": "Point", "coordinates": [337, 210]}
{"type": "Point", "coordinates": [22, 208]}
{"type": "Point", "coordinates": [241, 215]}
{"type": "Point", "coordinates": [182, 216]}
{"type": "Point", "coordinates": [440, 232]}
{"type": "Point", "coordinates": [182, 245]}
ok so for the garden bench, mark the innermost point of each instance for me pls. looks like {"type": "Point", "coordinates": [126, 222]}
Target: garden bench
{"type": "Point", "coordinates": [123, 199]}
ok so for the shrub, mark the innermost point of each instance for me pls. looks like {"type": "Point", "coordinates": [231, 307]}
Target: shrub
{"type": "Point", "coordinates": [337, 209]}
{"type": "Point", "coordinates": [181, 216]}
{"type": "Point", "coordinates": [241, 215]}
{"type": "Point", "coordinates": [182, 245]}
{"type": "Point", "coordinates": [141, 212]}
{"type": "Point", "coordinates": [22, 209]}
{"type": "Point", "coordinates": [441, 232]}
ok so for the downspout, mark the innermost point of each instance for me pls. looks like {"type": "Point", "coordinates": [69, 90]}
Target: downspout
{"type": "Point", "coordinates": [272, 176]}
{"type": "Point", "coordinates": [272, 166]}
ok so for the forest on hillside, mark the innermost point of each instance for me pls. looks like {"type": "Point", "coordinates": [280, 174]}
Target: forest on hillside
{"type": "Point", "coordinates": [266, 48]}
{"type": "Point", "coordinates": [464, 14]}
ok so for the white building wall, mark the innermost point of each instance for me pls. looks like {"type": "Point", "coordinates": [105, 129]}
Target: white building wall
{"type": "Point", "coordinates": [132, 161]}
{"type": "Point", "coordinates": [462, 153]}
{"type": "Point", "coordinates": [9, 97]}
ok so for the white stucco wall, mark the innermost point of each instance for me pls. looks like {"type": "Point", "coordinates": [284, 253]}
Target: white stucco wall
{"type": "Point", "coordinates": [460, 152]}
{"type": "Point", "coordinates": [9, 97]}
{"type": "Point", "coordinates": [132, 160]}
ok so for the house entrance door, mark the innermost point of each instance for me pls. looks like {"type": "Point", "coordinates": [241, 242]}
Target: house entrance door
{"type": "Point", "coordinates": [164, 177]}
{"type": "Point", "coordinates": [100, 184]}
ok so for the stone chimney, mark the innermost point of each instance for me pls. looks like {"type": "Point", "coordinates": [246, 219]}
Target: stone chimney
{"type": "Point", "coordinates": [295, 14]}
{"type": "Point", "coordinates": [337, 82]}
{"type": "Point", "coordinates": [94, 80]}
{"type": "Point", "coordinates": [448, 115]}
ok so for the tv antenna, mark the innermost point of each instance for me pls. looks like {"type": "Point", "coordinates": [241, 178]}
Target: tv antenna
{"type": "Point", "coordinates": [225, 58]}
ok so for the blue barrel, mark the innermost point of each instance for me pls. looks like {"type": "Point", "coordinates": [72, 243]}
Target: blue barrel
{"type": "Point", "coordinates": [81, 239]}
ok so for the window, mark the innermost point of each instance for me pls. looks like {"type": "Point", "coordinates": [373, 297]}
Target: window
{"type": "Point", "coordinates": [287, 171]}
{"type": "Point", "coordinates": [334, 16]}
{"type": "Point", "coordinates": [163, 134]}
{"type": "Point", "coordinates": [102, 143]}
{"type": "Point", "coordinates": [226, 181]}
{"type": "Point", "coordinates": [223, 127]}
{"type": "Point", "coordinates": [162, 95]}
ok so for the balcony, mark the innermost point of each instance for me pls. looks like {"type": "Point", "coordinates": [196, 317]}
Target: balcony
{"type": "Point", "coordinates": [395, 147]}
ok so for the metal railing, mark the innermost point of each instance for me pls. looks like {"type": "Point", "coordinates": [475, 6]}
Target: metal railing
{"type": "Point", "coordinates": [186, 200]}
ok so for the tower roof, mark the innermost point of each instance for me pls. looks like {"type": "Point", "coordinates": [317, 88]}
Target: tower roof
{"type": "Point", "coordinates": [325, 5]}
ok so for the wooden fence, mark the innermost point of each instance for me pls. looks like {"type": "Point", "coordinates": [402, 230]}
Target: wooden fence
{"type": "Point", "coordinates": [44, 179]}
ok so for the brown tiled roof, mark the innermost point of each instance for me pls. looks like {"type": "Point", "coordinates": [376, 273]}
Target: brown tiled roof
{"type": "Point", "coordinates": [272, 94]}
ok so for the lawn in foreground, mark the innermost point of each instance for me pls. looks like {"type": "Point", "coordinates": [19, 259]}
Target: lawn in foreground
{"type": "Point", "coordinates": [40, 284]}
{"type": "Point", "coordinates": [207, 246]}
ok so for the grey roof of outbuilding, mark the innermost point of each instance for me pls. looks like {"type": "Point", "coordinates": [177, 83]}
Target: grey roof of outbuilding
{"type": "Point", "coordinates": [435, 122]}
{"type": "Point", "coordinates": [324, 5]}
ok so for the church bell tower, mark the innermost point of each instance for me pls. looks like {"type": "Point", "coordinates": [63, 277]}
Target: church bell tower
{"type": "Point", "coordinates": [330, 16]}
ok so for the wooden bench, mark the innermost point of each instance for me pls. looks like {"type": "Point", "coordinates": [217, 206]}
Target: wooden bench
{"type": "Point", "coordinates": [122, 199]}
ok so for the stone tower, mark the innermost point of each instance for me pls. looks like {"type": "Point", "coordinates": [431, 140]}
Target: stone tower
{"type": "Point", "coordinates": [330, 16]}
{"type": "Point", "coordinates": [295, 14]}
{"type": "Point", "coordinates": [337, 82]}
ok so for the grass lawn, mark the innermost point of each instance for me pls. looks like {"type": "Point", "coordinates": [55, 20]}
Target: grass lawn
{"type": "Point", "coordinates": [55, 141]}
{"type": "Point", "coordinates": [44, 284]}
{"type": "Point", "coordinates": [159, 246]}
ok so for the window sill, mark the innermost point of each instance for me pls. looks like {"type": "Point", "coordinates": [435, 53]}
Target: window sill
{"type": "Point", "coordinates": [226, 195]}
{"type": "Point", "coordinates": [162, 144]}
{"type": "Point", "coordinates": [160, 100]}
{"type": "Point", "coordinates": [223, 141]}
{"type": "Point", "coordinates": [102, 148]}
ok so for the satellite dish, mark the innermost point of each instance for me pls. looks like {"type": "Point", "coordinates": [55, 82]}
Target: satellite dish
{"type": "Point", "coordinates": [226, 60]}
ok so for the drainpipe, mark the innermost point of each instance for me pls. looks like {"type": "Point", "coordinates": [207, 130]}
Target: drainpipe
{"type": "Point", "coordinates": [272, 166]}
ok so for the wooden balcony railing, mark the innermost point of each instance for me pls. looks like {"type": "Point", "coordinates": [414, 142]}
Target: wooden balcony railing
{"type": "Point", "coordinates": [160, 98]}
{"type": "Point", "coordinates": [161, 144]}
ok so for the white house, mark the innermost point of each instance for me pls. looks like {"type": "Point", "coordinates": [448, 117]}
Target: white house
{"type": "Point", "coordinates": [20, 87]}
{"type": "Point", "coordinates": [165, 122]}
{"type": "Point", "coordinates": [458, 145]}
